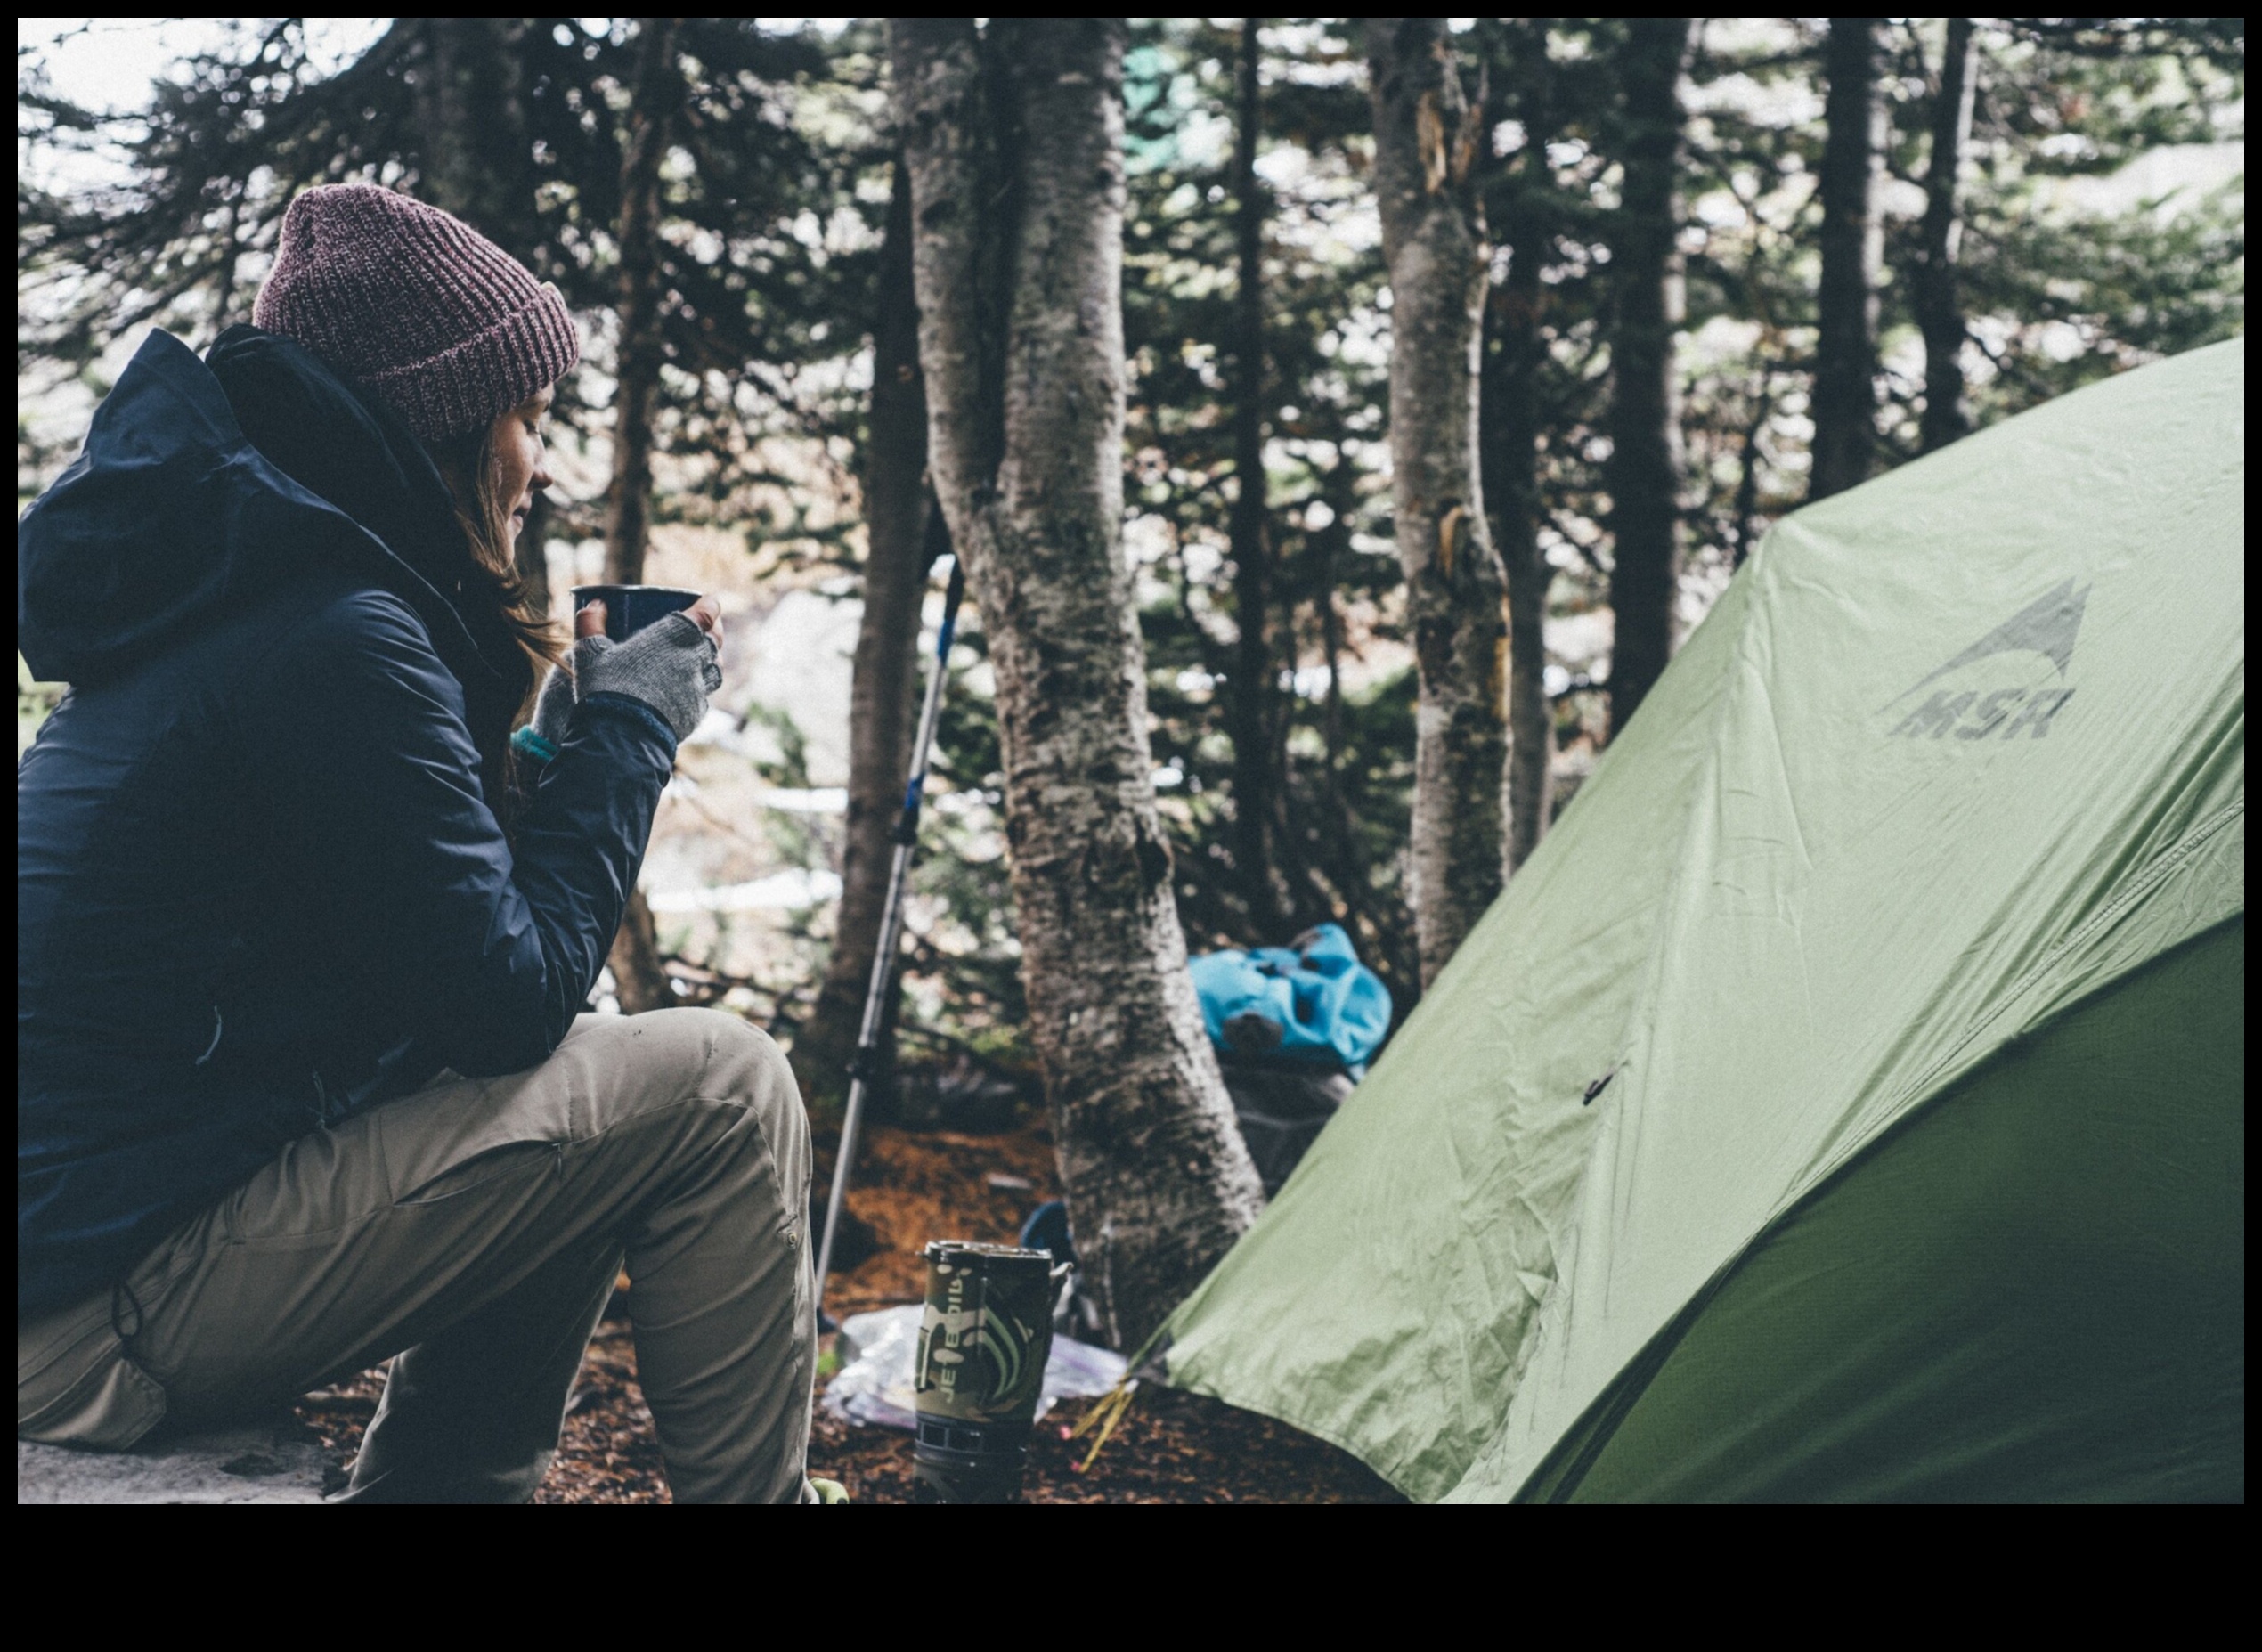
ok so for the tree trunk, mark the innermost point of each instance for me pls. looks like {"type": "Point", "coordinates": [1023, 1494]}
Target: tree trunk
{"type": "Point", "coordinates": [1939, 312]}
{"type": "Point", "coordinates": [1349, 870]}
{"type": "Point", "coordinates": [1644, 469]}
{"type": "Point", "coordinates": [1255, 795]}
{"type": "Point", "coordinates": [904, 533]}
{"type": "Point", "coordinates": [638, 974]}
{"type": "Point", "coordinates": [1014, 137]}
{"type": "Point", "coordinates": [1845, 368]}
{"type": "Point", "coordinates": [476, 159]}
{"type": "Point", "coordinates": [637, 373]}
{"type": "Point", "coordinates": [1509, 434]}
{"type": "Point", "coordinates": [640, 981]}
{"type": "Point", "coordinates": [1747, 502]}
{"type": "Point", "coordinates": [1432, 238]}
{"type": "Point", "coordinates": [1331, 543]}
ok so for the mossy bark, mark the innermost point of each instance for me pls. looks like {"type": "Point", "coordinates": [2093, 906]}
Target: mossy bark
{"type": "Point", "coordinates": [1432, 238]}
{"type": "Point", "coordinates": [1014, 135]}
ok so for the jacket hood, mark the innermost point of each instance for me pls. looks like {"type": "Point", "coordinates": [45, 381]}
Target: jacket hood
{"type": "Point", "coordinates": [202, 486]}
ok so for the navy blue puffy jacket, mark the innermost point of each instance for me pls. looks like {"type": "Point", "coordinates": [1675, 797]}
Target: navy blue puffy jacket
{"type": "Point", "coordinates": [259, 883]}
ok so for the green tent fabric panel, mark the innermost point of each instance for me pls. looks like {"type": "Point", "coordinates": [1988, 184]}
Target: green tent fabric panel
{"type": "Point", "coordinates": [1792, 905]}
{"type": "Point", "coordinates": [2032, 1291]}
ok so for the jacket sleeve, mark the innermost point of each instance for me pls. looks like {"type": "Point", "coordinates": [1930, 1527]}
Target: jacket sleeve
{"type": "Point", "coordinates": [358, 731]}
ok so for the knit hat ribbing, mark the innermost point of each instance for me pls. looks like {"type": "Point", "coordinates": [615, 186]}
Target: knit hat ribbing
{"type": "Point", "coordinates": [414, 305]}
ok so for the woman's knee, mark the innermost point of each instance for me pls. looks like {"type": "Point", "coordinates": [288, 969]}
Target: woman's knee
{"type": "Point", "coordinates": [707, 1056]}
{"type": "Point", "coordinates": [744, 1065]}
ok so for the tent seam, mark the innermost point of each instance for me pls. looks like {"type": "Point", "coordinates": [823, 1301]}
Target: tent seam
{"type": "Point", "coordinates": [2136, 888]}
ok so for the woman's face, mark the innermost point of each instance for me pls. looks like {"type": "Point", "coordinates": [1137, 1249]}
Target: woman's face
{"type": "Point", "coordinates": [516, 448]}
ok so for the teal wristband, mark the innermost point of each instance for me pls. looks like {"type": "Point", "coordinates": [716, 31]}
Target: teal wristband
{"type": "Point", "coordinates": [529, 745]}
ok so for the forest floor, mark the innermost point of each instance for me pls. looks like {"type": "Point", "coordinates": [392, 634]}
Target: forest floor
{"type": "Point", "coordinates": [912, 1187]}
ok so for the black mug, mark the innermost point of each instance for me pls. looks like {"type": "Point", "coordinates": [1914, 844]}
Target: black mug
{"type": "Point", "coordinates": [630, 608]}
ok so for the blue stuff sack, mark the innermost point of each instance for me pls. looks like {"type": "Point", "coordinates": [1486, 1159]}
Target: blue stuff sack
{"type": "Point", "coordinates": [1312, 1002]}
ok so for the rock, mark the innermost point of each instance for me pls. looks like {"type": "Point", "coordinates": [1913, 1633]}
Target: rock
{"type": "Point", "coordinates": [256, 1463]}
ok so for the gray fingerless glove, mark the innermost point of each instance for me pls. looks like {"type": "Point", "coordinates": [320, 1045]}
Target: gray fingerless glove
{"type": "Point", "coordinates": [669, 665]}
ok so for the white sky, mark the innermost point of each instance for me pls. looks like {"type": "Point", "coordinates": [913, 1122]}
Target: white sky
{"type": "Point", "coordinates": [111, 62]}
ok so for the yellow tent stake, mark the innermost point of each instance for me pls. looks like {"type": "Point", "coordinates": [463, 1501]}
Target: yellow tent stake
{"type": "Point", "coordinates": [1112, 1404]}
{"type": "Point", "coordinates": [1110, 1401]}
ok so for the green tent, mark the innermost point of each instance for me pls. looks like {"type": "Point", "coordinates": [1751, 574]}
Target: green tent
{"type": "Point", "coordinates": [1846, 1102]}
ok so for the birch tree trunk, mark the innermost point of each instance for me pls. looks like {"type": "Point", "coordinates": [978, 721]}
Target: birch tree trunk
{"type": "Point", "coordinates": [904, 534]}
{"type": "Point", "coordinates": [1644, 469]}
{"type": "Point", "coordinates": [1014, 137]}
{"type": "Point", "coordinates": [1432, 238]}
{"type": "Point", "coordinates": [1845, 369]}
{"type": "Point", "coordinates": [638, 977]}
{"type": "Point", "coordinates": [1255, 796]}
{"type": "Point", "coordinates": [1940, 310]}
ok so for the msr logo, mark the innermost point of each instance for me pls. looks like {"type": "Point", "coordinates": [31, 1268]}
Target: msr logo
{"type": "Point", "coordinates": [1976, 710]}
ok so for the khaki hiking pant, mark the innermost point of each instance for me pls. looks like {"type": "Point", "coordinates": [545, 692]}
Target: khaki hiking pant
{"type": "Point", "coordinates": [473, 1231]}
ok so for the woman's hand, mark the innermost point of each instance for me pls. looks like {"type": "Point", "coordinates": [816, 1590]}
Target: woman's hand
{"type": "Point", "coordinates": [566, 684]}
{"type": "Point", "coordinates": [669, 665]}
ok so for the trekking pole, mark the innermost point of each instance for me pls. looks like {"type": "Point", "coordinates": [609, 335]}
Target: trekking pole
{"type": "Point", "coordinates": [864, 1067]}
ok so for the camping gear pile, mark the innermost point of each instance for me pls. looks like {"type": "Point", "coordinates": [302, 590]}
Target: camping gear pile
{"type": "Point", "coordinates": [1847, 1099]}
{"type": "Point", "coordinates": [1295, 1027]}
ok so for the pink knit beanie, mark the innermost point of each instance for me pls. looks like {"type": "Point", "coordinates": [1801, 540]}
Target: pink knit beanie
{"type": "Point", "coordinates": [414, 305]}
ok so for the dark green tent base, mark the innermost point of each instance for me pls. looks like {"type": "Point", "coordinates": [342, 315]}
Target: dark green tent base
{"type": "Point", "coordinates": [2034, 1288]}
